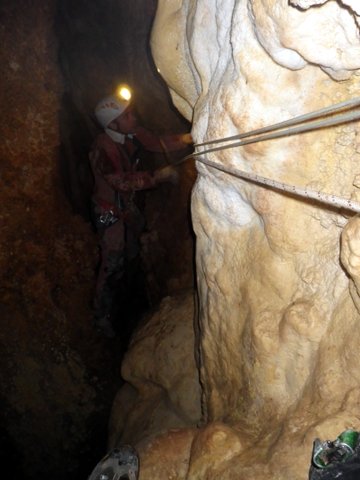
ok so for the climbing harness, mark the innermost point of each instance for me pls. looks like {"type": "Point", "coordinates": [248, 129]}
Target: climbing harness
{"type": "Point", "coordinates": [108, 218]}
{"type": "Point", "coordinates": [120, 463]}
{"type": "Point", "coordinates": [296, 127]}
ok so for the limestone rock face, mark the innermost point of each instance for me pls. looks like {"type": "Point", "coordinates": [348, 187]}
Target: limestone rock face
{"type": "Point", "coordinates": [279, 310]}
{"type": "Point", "coordinates": [162, 388]}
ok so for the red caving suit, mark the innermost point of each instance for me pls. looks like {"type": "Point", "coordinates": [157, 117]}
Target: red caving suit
{"type": "Point", "coordinates": [116, 217]}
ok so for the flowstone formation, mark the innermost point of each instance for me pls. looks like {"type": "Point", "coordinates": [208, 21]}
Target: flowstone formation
{"type": "Point", "coordinates": [161, 382]}
{"type": "Point", "coordinates": [278, 275]}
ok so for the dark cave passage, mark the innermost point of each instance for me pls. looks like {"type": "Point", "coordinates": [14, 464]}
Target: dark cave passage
{"type": "Point", "coordinates": [59, 375]}
{"type": "Point", "coordinates": [95, 57]}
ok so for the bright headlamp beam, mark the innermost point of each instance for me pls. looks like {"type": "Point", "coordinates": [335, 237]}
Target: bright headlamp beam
{"type": "Point", "coordinates": [124, 93]}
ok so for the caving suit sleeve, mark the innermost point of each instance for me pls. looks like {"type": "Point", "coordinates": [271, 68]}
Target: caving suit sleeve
{"type": "Point", "coordinates": [159, 143]}
{"type": "Point", "coordinates": [110, 163]}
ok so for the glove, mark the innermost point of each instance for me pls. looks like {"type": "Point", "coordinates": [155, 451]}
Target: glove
{"type": "Point", "coordinates": [166, 174]}
{"type": "Point", "coordinates": [187, 138]}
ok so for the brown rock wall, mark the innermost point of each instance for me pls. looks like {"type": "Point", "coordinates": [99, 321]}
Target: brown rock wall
{"type": "Point", "coordinates": [50, 356]}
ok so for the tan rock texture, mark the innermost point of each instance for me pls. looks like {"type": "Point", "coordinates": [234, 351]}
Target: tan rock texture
{"type": "Point", "coordinates": [162, 388]}
{"type": "Point", "coordinates": [278, 276]}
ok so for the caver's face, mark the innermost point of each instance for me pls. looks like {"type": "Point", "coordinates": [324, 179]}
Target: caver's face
{"type": "Point", "coordinates": [126, 122]}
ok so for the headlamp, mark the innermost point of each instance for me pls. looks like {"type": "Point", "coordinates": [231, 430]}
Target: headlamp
{"type": "Point", "coordinates": [123, 92]}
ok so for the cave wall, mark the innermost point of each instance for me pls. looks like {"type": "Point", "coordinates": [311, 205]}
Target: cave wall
{"type": "Point", "coordinates": [54, 401]}
{"type": "Point", "coordinates": [277, 273]}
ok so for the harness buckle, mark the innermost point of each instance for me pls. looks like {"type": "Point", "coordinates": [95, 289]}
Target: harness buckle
{"type": "Point", "coordinates": [108, 218]}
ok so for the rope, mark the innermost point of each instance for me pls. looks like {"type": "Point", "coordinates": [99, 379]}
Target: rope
{"type": "Point", "coordinates": [345, 118]}
{"type": "Point", "coordinates": [295, 123]}
{"type": "Point", "coordinates": [321, 197]}
{"type": "Point", "coordinates": [295, 128]}
{"type": "Point", "coordinates": [287, 123]}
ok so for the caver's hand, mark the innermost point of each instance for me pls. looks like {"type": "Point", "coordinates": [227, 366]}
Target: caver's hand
{"type": "Point", "coordinates": [187, 139]}
{"type": "Point", "coordinates": [166, 174]}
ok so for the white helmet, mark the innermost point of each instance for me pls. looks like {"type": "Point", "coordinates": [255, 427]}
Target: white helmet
{"type": "Point", "coordinates": [110, 108]}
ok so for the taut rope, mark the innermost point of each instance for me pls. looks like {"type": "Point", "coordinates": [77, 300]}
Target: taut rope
{"type": "Point", "coordinates": [296, 127]}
